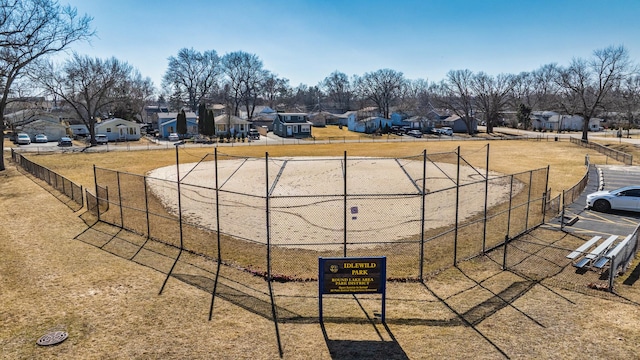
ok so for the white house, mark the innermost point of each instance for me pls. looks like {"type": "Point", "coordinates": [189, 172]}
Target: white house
{"type": "Point", "coordinates": [54, 130]}
{"type": "Point", "coordinates": [229, 124]}
{"type": "Point", "coordinates": [117, 129]}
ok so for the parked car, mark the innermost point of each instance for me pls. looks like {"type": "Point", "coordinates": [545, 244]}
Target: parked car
{"type": "Point", "coordinates": [415, 133]}
{"type": "Point", "coordinates": [101, 139]}
{"type": "Point", "coordinates": [41, 138]}
{"type": "Point", "coordinates": [254, 134]}
{"type": "Point", "coordinates": [23, 139]}
{"type": "Point", "coordinates": [65, 141]}
{"type": "Point", "coordinates": [174, 137]}
{"type": "Point", "coordinates": [626, 198]}
{"type": "Point", "coordinates": [445, 131]}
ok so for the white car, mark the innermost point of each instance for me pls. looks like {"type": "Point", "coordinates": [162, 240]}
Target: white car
{"type": "Point", "coordinates": [446, 131]}
{"type": "Point", "coordinates": [174, 137]}
{"type": "Point", "coordinates": [626, 198]}
{"type": "Point", "coordinates": [41, 138]}
{"type": "Point", "coordinates": [23, 139]}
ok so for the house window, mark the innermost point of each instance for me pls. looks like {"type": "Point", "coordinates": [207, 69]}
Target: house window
{"type": "Point", "coordinates": [305, 128]}
{"type": "Point", "coordinates": [295, 129]}
{"type": "Point", "coordinates": [132, 131]}
{"type": "Point", "coordinates": [108, 130]}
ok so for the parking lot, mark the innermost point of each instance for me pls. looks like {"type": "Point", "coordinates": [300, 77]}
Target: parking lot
{"type": "Point", "coordinates": [591, 222]}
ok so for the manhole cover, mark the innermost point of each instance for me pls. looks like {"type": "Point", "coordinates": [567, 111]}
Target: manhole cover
{"type": "Point", "coordinates": [52, 338]}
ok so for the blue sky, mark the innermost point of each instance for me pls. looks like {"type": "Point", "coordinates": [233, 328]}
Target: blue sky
{"type": "Point", "coordinates": [306, 40]}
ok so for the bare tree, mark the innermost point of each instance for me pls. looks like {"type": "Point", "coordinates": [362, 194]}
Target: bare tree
{"type": "Point", "coordinates": [338, 90]}
{"type": "Point", "coordinates": [586, 84]}
{"type": "Point", "coordinates": [245, 76]}
{"type": "Point", "coordinates": [416, 97]}
{"type": "Point", "coordinates": [192, 76]}
{"type": "Point", "coordinates": [31, 30]}
{"type": "Point", "coordinates": [382, 87]}
{"type": "Point", "coordinates": [90, 86]}
{"type": "Point", "coordinates": [493, 95]}
{"type": "Point", "coordinates": [274, 89]}
{"type": "Point", "coordinates": [456, 93]}
{"type": "Point", "coordinates": [628, 101]}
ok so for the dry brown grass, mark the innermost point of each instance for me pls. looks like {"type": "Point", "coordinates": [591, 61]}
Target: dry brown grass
{"type": "Point", "coordinates": [58, 273]}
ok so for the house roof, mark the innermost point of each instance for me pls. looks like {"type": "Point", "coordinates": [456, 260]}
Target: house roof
{"type": "Point", "coordinates": [117, 121]}
{"type": "Point", "coordinates": [173, 115]}
{"type": "Point", "coordinates": [226, 119]}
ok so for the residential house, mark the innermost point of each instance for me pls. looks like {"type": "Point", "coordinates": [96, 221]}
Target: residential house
{"type": "Point", "coordinates": [458, 125]}
{"type": "Point", "coordinates": [117, 129]}
{"type": "Point", "coordinates": [349, 116]}
{"type": "Point", "coordinates": [423, 123]}
{"type": "Point", "coordinates": [166, 123]}
{"type": "Point", "coordinates": [292, 125]}
{"type": "Point", "coordinates": [52, 128]}
{"type": "Point", "coordinates": [323, 118]}
{"type": "Point", "coordinates": [259, 111]}
{"type": "Point", "coordinates": [230, 124]}
{"type": "Point", "coordinates": [552, 121]}
{"type": "Point", "coordinates": [150, 114]}
{"type": "Point", "coordinates": [369, 125]}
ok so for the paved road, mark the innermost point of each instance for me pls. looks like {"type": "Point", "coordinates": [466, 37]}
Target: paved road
{"type": "Point", "coordinates": [590, 222]}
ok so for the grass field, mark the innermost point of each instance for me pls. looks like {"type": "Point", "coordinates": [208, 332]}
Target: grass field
{"type": "Point", "coordinates": [60, 271]}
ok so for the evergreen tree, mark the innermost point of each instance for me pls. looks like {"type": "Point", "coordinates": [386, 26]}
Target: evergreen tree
{"type": "Point", "coordinates": [181, 123]}
{"type": "Point", "coordinates": [202, 116]}
{"type": "Point", "coordinates": [209, 126]}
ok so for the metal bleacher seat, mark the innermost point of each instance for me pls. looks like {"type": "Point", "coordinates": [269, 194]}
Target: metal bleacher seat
{"type": "Point", "coordinates": [612, 253]}
{"type": "Point", "coordinates": [584, 247]}
{"type": "Point", "coordinates": [596, 253]}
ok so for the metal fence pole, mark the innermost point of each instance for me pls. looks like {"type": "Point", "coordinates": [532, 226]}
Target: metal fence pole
{"type": "Point", "coordinates": [486, 203]}
{"type": "Point", "coordinates": [95, 182]}
{"type": "Point", "coordinates": [455, 234]}
{"type": "Point", "coordinates": [215, 282]}
{"type": "Point", "coordinates": [120, 199]}
{"type": "Point", "coordinates": [506, 236]}
{"type": "Point", "coordinates": [422, 210]}
{"type": "Point", "coordinates": [344, 174]}
{"type": "Point", "coordinates": [526, 220]}
{"type": "Point", "coordinates": [146, 206]}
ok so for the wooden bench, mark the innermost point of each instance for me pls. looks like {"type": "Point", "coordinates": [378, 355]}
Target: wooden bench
{"type": "Point", "coordinates": [596, 253]}
{"type": "Point", "coordinates": [612, 253]}
{"type": "Point", "coordinates": [584, 247]}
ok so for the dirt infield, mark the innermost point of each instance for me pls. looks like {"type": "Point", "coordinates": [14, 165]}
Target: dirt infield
{"type": "Point", "coordinates": [307, 202]}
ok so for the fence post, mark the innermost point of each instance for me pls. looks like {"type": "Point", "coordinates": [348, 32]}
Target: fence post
{"type": "Point", "coordinates": [95, 182]}
{"type": "Point", "coordinates": [146, 206]}
{"type": "Point", "coordinates": [424, 194]}
{"type": "Point", "coordinates": [344, 174]}
{"type": "Point", "coordinates": [486, 203]}
{"type": "Point", "coordinates": [504, 253]}
{"type": "Point", "coordinates": [526, 220]}
{"type": "Point", "coordinates": [455, 233]}
{"type": "Point", "coordinates": [120, 200]}
{"type": "Point", "coordinates": [612, 272]}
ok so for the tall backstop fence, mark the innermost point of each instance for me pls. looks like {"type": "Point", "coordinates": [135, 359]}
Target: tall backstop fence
{"type": "Point", "coordinates": [276, 216]}
{"type": "Point", "coordinates": [620, 156]}
{"type": "Point", "coordinates": [65, 186]}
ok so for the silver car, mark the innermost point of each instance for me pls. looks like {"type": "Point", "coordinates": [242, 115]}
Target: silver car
{"type": "Point", "coordinates": [626, 198]}
{"type": "Point", "coordinates": [23, 139]}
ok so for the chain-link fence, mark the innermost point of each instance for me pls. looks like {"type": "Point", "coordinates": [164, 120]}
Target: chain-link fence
{"type": "Point", "coordinates": [620, 156]}
{"type": "Point", "coordinates": [65, 186]}
{"type": "Point", "coordinates": [276, 216]}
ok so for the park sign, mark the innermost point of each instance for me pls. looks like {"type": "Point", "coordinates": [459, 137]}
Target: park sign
{"type": "Point", "coordinates": [352, 275]}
